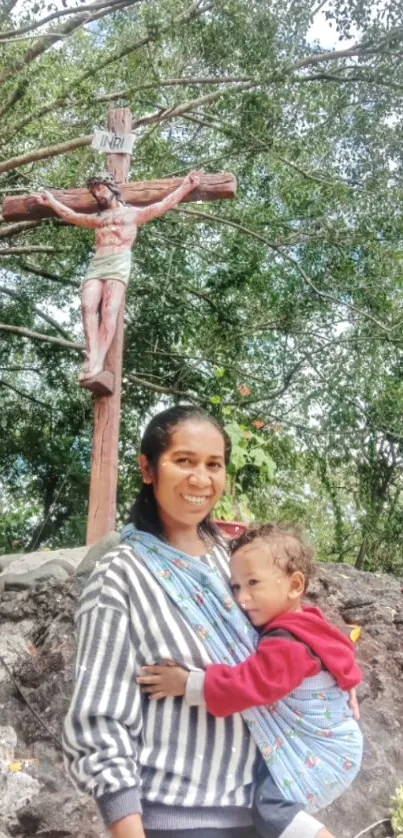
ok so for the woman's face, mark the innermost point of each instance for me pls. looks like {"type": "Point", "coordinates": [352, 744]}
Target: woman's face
{"type": "Point", "coordinates": [190, 477]}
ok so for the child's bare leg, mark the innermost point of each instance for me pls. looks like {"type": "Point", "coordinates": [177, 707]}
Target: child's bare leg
{"type": "Point", "coordinates": [304, 825]}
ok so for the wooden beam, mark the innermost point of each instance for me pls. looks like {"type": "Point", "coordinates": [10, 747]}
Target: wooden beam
{"type": "Point", "coordinates": [212, 188]}
{"type": "Point", "coordinates": [108, 386]}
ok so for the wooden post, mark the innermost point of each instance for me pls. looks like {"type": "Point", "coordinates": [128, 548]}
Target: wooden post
{"type": "Point", "coordinates": [105, 454]}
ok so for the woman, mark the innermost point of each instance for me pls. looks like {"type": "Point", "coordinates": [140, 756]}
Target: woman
{"type": "Point", "coordinates": [160, 769]}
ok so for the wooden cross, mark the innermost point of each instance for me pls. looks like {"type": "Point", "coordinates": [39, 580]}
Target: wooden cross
{"type": "Point", "coordinates": [108, 385]}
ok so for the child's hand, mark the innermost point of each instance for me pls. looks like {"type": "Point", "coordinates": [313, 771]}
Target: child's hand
{"type": "Point", "coordinates": [163, 681]}
{"type": "Point", "coordinates": [354, 705]}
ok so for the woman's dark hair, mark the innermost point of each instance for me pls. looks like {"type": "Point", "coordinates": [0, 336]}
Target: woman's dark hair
{"type": "Point", "coordinates": [144, 513]}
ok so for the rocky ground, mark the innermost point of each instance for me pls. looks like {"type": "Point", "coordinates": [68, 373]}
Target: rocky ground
{"type": "Point", "coordinates": [38, 596]}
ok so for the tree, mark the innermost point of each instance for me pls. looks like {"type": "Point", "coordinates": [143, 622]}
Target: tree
{"type": "Point", "coordinates": [294, 289]}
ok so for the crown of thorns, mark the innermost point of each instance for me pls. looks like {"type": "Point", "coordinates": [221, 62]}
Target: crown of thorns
{"type": "Point", "coordinates": [105, 179]}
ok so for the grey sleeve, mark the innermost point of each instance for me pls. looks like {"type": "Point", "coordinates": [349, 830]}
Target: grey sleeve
{"type": "Point", "coordinates": [195, 688]}
{"type": "Point", "coordinates": [105, 720]}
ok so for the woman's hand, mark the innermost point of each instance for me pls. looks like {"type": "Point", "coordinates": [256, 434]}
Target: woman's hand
{"type": "Point", "coordinates": [130, 827]}
{"type": "Point", "coordinates": [166, 681]}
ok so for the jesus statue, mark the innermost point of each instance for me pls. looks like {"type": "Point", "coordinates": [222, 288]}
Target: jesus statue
{"type": "Point", "coordinates": [104, 285]}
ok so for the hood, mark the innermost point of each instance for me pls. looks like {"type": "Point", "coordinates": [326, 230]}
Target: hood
{"type": "Point", "coordinates": [335, 650]}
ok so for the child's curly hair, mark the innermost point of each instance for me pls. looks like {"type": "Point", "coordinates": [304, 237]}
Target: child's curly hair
{"type": "Point", "coordinates": [288, 546]}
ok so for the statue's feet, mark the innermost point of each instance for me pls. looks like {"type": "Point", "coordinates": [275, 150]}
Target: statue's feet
{"type": "Point", "coordinates": [90, 370]}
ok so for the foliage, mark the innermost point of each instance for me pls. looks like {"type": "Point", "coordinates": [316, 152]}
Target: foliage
{"type": "Point", "coordinates": [397, 812]}
{"type": "Point", "coordinates": [250, 470]}
{"type": "Point", "coordinates": [293, 291]}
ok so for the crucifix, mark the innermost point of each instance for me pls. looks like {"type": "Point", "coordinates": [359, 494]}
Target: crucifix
{"type": "Point", "coordinates": [115, 209]}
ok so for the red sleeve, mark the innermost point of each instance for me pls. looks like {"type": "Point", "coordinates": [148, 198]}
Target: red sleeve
{"type": "Point", "coordinates": [277, 668]}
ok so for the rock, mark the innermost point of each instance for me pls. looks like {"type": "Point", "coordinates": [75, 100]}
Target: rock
{"type": "Point", "coordinates": [13, 644]}
{"type": "Point", "coordinates": [97, 552]}
{"type": "Point", "coordinates": [6, 560]}
{"type": "Point", "coordinates": [60, 816]}
{"type": "Point", "coordinates": [19, 790]}
{"type": "Point", "coordinates": [8, 741]}
{"type": "Point", "coordinates": [37, 641]}
{"type": "Point", "coordinates": [350, 597]}
{"type": "Point", "coordinates": [17, 787]}
{"type": "Point", "coordinates": [28, 562]}
{"type": "Point", "coordinates": [4, 768]}
{"type": "Point", "coordinates": [21, 581]}
{"type": "Point", "coordinates": [23, 571]}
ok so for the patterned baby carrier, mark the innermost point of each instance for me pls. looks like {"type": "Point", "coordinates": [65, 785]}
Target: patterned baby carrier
{"type": "Point", "coordinates": [309, 740]}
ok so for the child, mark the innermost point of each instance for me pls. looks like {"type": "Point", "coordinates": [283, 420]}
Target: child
{"type": "Point", "coordinates": [303, 669]}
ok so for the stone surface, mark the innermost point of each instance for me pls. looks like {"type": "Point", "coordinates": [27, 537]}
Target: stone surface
{"type": "Point", "coordinates": [29, 562]}
{"type": "Point", "coordinates": [24, 570]}
{"type": "Point", "coordinates": [8, 741]}
{"type": "Point", "coordinates": [19, 790]}
{"type": "Point", "coordinates": [14, 644]}
{"type": "Point", "coordinates": [6, 559]}
{"type": "Point", "coordinates": [22, 581]}
{"type": "Point", "coordinates": [37, 639]}
{"type": "Point", "coordinates": [97, 552]}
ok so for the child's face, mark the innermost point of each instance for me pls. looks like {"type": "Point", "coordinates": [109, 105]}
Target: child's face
{"type": "Point", "coordinates": [261, 588]}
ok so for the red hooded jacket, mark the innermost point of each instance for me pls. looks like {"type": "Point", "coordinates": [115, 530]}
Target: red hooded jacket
{"type": "Point", "coordinates": [281, 664]}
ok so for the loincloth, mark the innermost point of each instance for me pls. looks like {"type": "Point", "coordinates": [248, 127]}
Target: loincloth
{"type": "Point", "coordinates": [113, 266]}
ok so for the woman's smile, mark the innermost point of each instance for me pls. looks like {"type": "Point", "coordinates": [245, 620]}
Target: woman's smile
{"type": "Point", "coordinates": [196, 500]}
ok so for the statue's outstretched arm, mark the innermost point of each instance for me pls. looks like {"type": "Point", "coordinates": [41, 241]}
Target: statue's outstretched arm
{"type": "Point", "coordinates": [158, 209]}
{"type": "Point", "coordinates": [79, 219]}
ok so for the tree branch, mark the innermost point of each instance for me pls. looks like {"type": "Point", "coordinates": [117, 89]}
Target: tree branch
{"type": "Point", "coordinates": [158, 388]}
{"type": "Point", "coordinates": [318, 8]}
{"type": "Point", "coordinates": [38, 370]}
{"type": "Point", "coordinates": [306, 175]}
{"type": "Point", "coordinates": [187, 82]}
{"type": "Point", "coordinates": [159, 116]}
{"type": "Point", "coordinates": [375, 79]}
{"type": "Point", "coordinates": [104, 9]}
{"type": "Point", "coordinates": [194, 12]}
{"type": "Point", "coordinates": [27, 333]}
{"type": "Point", "coordinates": [24, 395]}
{"type": "Point", "coordinates": [46, 42]}
{"type": "Point", "coordinates": [243, 373]}
{"type": "Point", "coordinates": [30, 27]}
{"type": "Point", "coordinates": [275, 394]}
{"type": "Point", "coordinates": [49, 320]}
{"type": "Point", "coordinates": [360, 48]}
{"type": "Point", "coordinates": [44, 153]}
{"type": "Point", "coordinates": [201, 296]}
{"type": "Point", "coordinates": [326, 296]}
{"type": "Point", "coordinates": [25, 248]}
{"type": "Point", "coordinates": [75, 283]}
{"type": "Point", "coordinates": [19, 92]}
{"type": "Point", "coordinates": [190, 105]}
{"type": "Point", "coordinates": [17, 228]}
{"type": "Point", "coordinates": [7, 8]}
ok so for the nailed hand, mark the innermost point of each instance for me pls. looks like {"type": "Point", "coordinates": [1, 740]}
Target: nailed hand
{"type": "Point", "coordinates": [194, 178]}
{"type": "Point", "coordinates": [44, 198]}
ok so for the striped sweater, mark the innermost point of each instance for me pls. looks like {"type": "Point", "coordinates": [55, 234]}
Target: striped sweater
{"type": "Point", "coordinates": [177, 764]}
